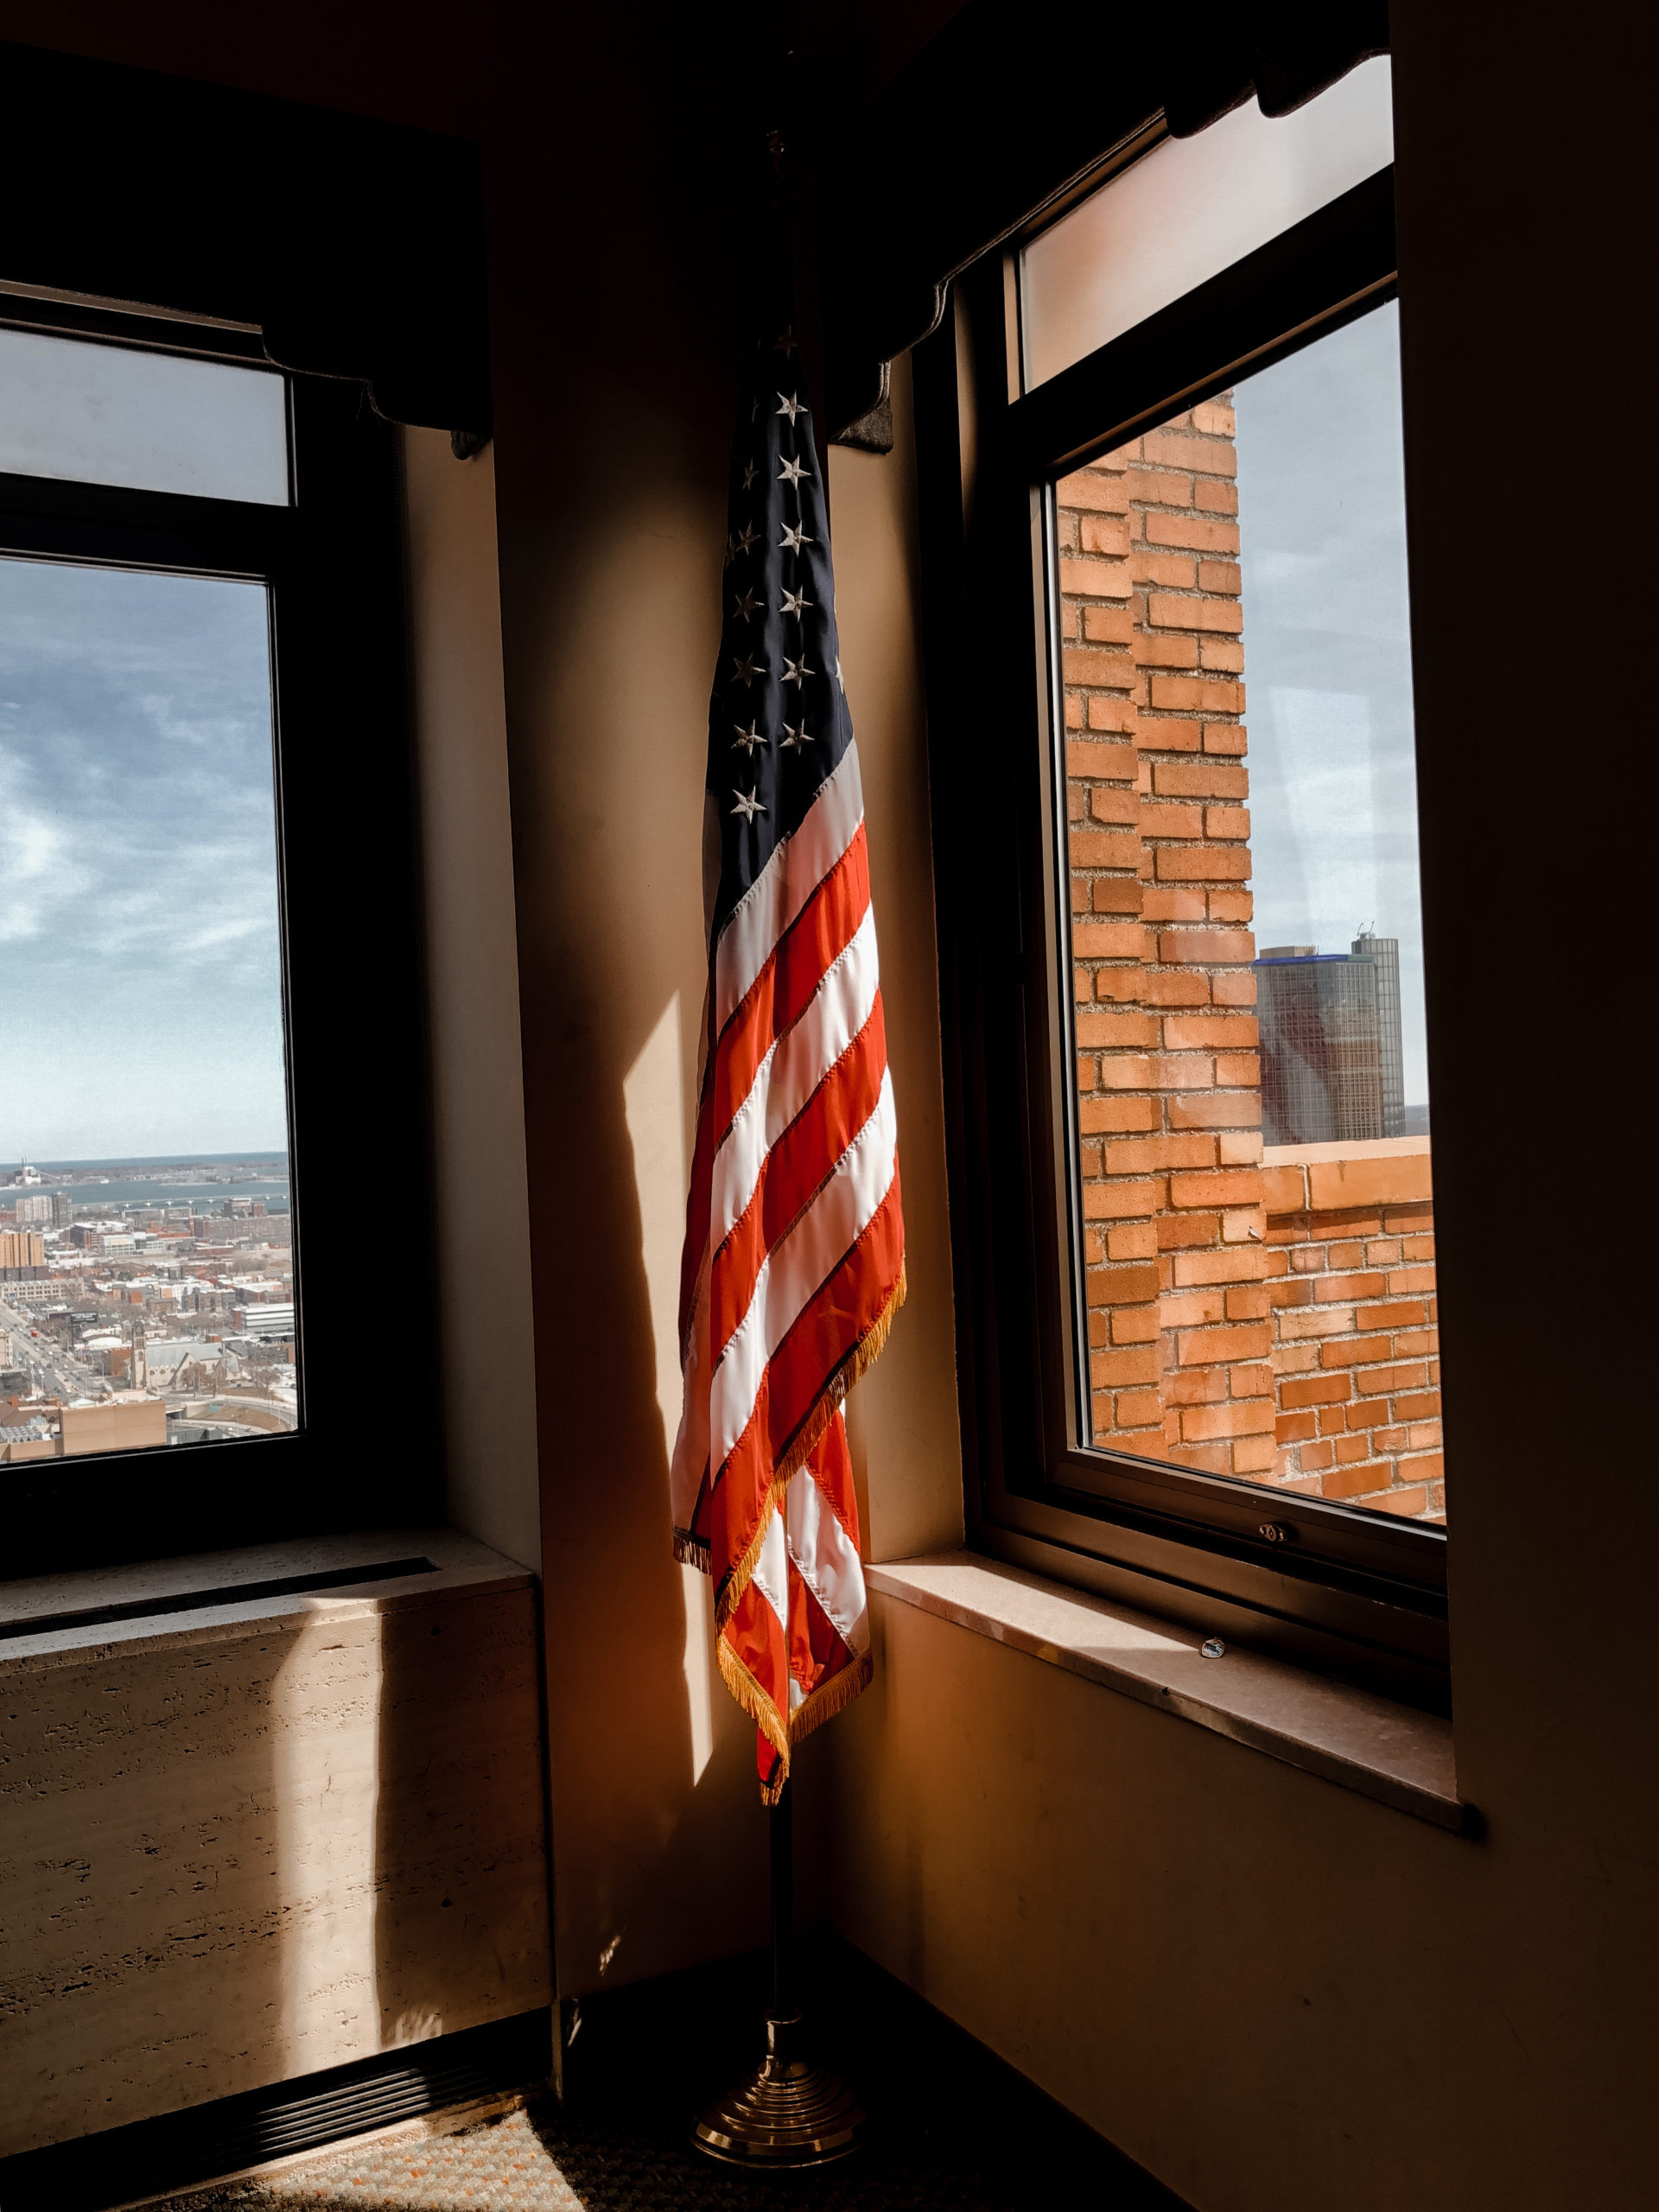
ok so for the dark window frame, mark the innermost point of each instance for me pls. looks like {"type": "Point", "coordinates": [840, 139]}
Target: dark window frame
{"type": "Point", "coordinates": [1351, 1592]}
{"type": "Point", "coordinates": [349, 887]}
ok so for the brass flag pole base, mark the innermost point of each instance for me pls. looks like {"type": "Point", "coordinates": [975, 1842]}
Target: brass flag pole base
{"type": "Point", "coordinates": [789, 2113]}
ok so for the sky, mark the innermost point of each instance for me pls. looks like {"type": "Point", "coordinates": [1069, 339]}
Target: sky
{"type": "Point", "coordinates": [140, 981]}
{"type": "Point", "coordinates": [1327, 657]}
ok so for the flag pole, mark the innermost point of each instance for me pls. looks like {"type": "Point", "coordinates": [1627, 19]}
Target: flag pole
{"type": "Point", "coordinates": [788, 2112]}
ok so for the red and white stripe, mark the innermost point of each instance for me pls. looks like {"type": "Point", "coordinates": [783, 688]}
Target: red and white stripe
{"type": "Point", "coordinates": [793, 1268]}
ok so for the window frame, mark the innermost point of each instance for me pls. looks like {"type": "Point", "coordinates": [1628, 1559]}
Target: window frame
{"type": "Point", "coordinates": [347, 876]}
{"type": "Point", "coordinates": [1354, 1593]}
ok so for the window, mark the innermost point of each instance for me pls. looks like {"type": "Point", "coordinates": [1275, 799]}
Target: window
{"type": "Point", "coordinates": [214, 1283]}
{"type": "Point", "coordinates": [1194, 1174]}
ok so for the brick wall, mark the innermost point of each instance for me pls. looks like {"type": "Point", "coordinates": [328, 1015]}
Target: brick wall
{"type": "Point", "coordinates": [1356, 1353]}
{"type": "Point", "coordinates": [1192, 1296]}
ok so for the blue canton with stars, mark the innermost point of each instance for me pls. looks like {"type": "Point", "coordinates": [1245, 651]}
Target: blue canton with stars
{"type": "Point", "coordinates": [778, 721]}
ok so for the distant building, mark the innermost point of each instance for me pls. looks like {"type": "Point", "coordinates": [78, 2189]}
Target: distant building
{"type": "Point", "coordinates": [1321, 1046]}
{"type": "Point", "coordinates": [273, 1320]}
{"type": "Point", "coordinates": [1384, 953]}
{"type": "Point", "coordinates": [22, 1254]}
{"type": "Point", "coordinates": [50, 1208]}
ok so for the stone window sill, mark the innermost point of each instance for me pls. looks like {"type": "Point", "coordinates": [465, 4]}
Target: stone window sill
{"type": "Point", "coordinates": [1350, 1736]}
{"type": "Point", "coordinates": [461, 1567]}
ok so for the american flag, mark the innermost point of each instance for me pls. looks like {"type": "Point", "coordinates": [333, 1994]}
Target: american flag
{"type": "Point", "coordinates": [794, 1261]}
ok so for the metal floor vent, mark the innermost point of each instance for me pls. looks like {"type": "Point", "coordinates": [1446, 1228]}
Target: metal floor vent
{"type": "Point", "coordinates": [224, 1594]}
{"type": "Point", "coordinates": [182, 2150]}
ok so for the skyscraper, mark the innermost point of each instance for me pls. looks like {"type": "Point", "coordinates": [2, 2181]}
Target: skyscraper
{"type": "Point", "coordinates": [1384, 953]}
{"type": "Point", "coordinates": [1321, 1047]}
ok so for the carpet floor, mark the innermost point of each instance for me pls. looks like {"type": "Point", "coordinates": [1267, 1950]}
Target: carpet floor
{"type": "Point", "coordinates": [952, 2129]}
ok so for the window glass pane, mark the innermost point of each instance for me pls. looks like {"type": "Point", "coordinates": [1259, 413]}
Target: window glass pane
{"type": "Point", "coordinates": [1252, 1095]}
{"type": "Point", "coordinates": [1191, 208]}
{"type": "Point", "coordinates": [155, 422]}
{"type": "Point", "coordinates": [146, 1277]}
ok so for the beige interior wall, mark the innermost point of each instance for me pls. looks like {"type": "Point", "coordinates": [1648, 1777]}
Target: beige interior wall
{"type": "Point", "coordinates": [1278, 1996]}
{"type": "Point", "coordinates": [480, 1202]}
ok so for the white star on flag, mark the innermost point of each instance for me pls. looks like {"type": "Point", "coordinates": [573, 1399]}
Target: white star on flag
{"type": "Point", "coordinates": [793, 739]}
{"type": "Point", "coordinates": [790, 472]}
{"type": "Point", "coordinates": [792, 407]}
{"type": "Point", "coordinates": [744, 671]}
{"type": "Point", "coordinates": [796, 671]}
{"type": "Point", "coordinates": [793, 539]}
{"type": "Point", "coordinates": [748, 805]}
{"type": "Point", "coordinates": [748, 739]}
{"type": "Point", "coordinates": [795, 601]}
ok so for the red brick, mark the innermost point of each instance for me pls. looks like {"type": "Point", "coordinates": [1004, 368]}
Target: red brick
{"type": "Point", "coordinates": [1176, 569]}
{"type": "Point", "coordinates": [1108, 1031]}
{"type": "Point", "coordinates": [1198, 1386]}
{"type": "Point", "coordinates": [1103, 533]}
{"type": "Point", "coordinates": [1135, 1325]}
{"type": "Point", "coordinates": [1248, 1305]}
{"type": "Point", "coordinates": [1401, 1279]}
{"type": "Point", "coordinates": [1248, 1417]}
{"type": "Point", "coordinates": [1225, 655]}
{"type": "Point", "coordinates": [1210, 498]}
{"type": "Point", "coordinates": [1209, 1032]}
{"type": "Point", "coordinates": [1199, 780]}
{"type": "Point", "coordinates": [1410, 1504]}
{"type": "Point", "coordinates": [1163, 821]}
{"type": "Point", "coordinates": [1110, 941]}
{"type": "Point", "coordinates": [1142, 1155]}
{"type": "Point", "coordinates": [1089, 489]}
{"type": "Point", "coordinates": [1206, 456]}
{"type": "Point", "coordinates": [1218, 1109]}
{"type": "Point", "coordinates": [1411, 1375]}
{"type": "Point", "coordinates": [1421, 1405]}
{"type": "Point", "coordinates": [1220, 1188]}
{"type": "Point", "coordinates": [1210, 947]}
{"type": "Point", "coordinates": [1097, 1116]}
{"type": "Point", "coordinates": [1108, 1368]}
{"type": "Point", "coordinates": [1293, 1293]}
{"type": "Point", "coordinates": [1100, 579]}
{"type": "Point", "coordinates": [1165, 649]}
{"type": "Point", "coordinates": [1181, 694]}
{"type": "Point", "coordinates": [1344, 1289]}
{"type": "Point", "coordinates": [1315, 1390]}
{"type": "Point", "coordinates": [1110, 894]}
{"type": "Point", "coordinates": [1216, 417]}
{"type": "Point", "coordinates": [1218, 575]}
{"type": "Point", "coordinates": [1097, 664]}
{"type": "Point", "coordinates": [1231, 905]}
{"type": "Point", "coordinates": [1219, 1267]}
{"type": "Point", "coordinates": [1132, 1240]}
{"type": "Point", "coordinates": [1405, 1315]}
{"type": "Point", "coordinates": [1173, 903]}
{"type": "Point", "coordinates": [1112, 803]}
{"type": "Point", "coordinates": [1342, 1351]}
{"type": "Point", "coordinates": [1120, 1285]}
{"type": "Point", "coordinates": [1317, 1455]}
{"type": "Point", "coordinates": [1107, 625]}
{"type": "Point", "coordinates": [1179, 1071]}
{"type": "Point", "coordinates": [1139, 1408]}
{"type": "Point", "coordinates": [1116, 1201]}
{"type": "Point", "coordinates": [1116, 716]}
{"type": "Point", "coordinates": [1188, 1231]}
{"type": "Point", "coordinates": [1093, 757]}
{"type": "Point", "coordinates": [1176, 986]}
{"type": "Point", "coordinates": [1192, 1309]}
{"type": "Point", "coordinates": [1171, 610]}
{"type": "Point", "coordinates": [1157, 488]}
{"type": "Point", "coordinates": [1204, 536]}
{"type": "Point", "coordinates": [1226, 821]}
{"type": "Point", "coordinates": [1201, 1347]}
{"type": "Point", "coordinates": [1124, 1071]}
{"type": "Point", "coordinates": [1243, 1069]}
{"type": "Point", "coordinates": [1225, 738]}
{"type": "Point", "coordinates": [1202, 864]}
{"type": "Point", "coordinates": [1354, 1481]}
